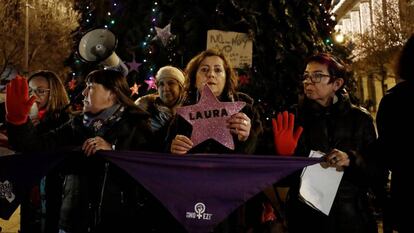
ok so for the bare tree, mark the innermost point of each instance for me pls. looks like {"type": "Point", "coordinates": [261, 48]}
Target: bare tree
{"type": "Point", "coordinates": [375, 49]}
{"type": "Point", "coordinates": [50, 25]}
{"type": "Point", "coordinates": [10, 16]}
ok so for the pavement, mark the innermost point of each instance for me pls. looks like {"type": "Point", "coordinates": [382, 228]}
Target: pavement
{"type": "Point", "coordinates": [12, 225]}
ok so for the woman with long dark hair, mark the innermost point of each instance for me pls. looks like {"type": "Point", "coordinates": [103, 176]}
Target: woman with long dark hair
{"type": "Point", "coordinates": [97, 196]}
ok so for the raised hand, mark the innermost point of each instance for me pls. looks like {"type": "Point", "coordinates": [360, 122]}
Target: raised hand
{"type": "Point", "coordinates": [285, 139]}
{"type": "Point", "coordinates": [18, 102]}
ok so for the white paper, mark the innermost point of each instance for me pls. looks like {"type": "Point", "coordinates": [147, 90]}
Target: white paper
{"type": "Point", "coordinates": [319, 185]}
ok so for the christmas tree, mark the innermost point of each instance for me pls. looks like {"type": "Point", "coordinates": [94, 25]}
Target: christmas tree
{"type": "Point", "coordinates": [152, 34]}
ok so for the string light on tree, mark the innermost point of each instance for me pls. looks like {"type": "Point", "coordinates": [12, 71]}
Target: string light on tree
{"type": "Point", "coordinates": [339, 38]}
{"type": "Point", "coordinates": [146, 45]}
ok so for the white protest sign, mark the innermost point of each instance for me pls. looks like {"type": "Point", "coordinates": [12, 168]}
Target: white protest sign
{"type": "Point", "coordinates": [237, 47]}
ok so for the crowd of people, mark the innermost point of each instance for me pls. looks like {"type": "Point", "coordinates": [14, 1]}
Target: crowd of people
{"type": "Point", "coordinates": [93, 195]}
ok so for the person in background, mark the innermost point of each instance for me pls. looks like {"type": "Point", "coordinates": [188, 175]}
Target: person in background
{"type": "Point", "coordinates": [213, 69]}
{"type": "Point", "coordinates": [332, 125]}
{"type": "Point", "coordinates": [4, 140]}
{"type": "Point", "coordinates": [394, 117]}
{"type": "Point", "coordinates": [51, 103]}
{"type": "Point", "coordinates": [40, 210]}
{"type": "Point", "coordinates": [97, 196]}
{"type": "Point", "coordinates": [162, 106]}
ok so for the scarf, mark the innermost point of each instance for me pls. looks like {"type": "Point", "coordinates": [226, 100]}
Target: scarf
{"type": "Point", "coordinates": [102, 121]}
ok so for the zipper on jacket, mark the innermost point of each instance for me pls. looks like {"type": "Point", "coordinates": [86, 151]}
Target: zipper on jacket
{"type": "Point", "coordinates": [102, 193]}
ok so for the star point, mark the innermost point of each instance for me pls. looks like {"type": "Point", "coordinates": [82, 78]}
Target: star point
{"type": "Point", "coordinates": [164, 34]}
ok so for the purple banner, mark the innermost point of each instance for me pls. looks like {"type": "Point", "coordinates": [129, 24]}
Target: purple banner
{"type": "Point", "coordinates": [199, 190]}
{"type": "Point", "coordinates": [18, 172]}
{"type": "Point", "coordinates": [202, 190]}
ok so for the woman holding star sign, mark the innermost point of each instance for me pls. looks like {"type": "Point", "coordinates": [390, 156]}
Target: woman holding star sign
{"type": "Point", "coordinates": [211, 95]}
{"type": "Point", "coordinates": [211, 68]}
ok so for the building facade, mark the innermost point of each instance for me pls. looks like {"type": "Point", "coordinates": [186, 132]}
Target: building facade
{"type": "Point", "coordinates": [377, 29]}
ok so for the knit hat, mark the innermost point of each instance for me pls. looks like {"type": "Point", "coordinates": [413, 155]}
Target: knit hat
{"type": "Point", "coordinates": [170, 72]}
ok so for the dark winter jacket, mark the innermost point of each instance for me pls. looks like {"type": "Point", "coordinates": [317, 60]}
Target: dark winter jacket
{"type": "Point", "coordinates": [394, 123]}
{"type": "Point", "coordinates": [347, 128]}
{"type": "Point", "coordinates": [160, 118]}
{"type": "Point", "coordinates": [33, 218]}
{"type": "Point", "coordinates": [97, 196]}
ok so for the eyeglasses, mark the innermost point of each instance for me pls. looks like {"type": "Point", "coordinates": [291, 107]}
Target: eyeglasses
{"type": "Point", "coordinates": [314, 77]}
{"type": "Point", "coordinates": [38, 91]}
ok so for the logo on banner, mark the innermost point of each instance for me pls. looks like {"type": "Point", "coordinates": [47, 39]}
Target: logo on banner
{"type": "Point", "coordinates": [199, 212]}
{"type": "Point", "coordinates": [6, 191]}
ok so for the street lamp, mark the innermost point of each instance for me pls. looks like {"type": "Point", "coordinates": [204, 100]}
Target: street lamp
{"type": "Point", "coordinates": [339, 38]}
{"type": "Point", "coordinates": [26, 38]}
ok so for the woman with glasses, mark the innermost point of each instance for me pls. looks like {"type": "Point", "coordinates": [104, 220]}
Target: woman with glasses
{"type": "Point", "coordinates": [40, 209]}
{"type": "Point", "coordinates": [52, 102]}
{"type": "Point", "coordinates": [97, 196]}
{"type": "Point", "coordinates": [333, 125]}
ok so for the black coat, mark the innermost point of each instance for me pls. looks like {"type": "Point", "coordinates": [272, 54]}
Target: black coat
{"type": "Point", "coordinates": [161, 117]}
{"type": "Point", "coordinates": [350, 129]}
{"type": "Point", "coordinates": [97, 195]}
{"type": "Point", "coordinates": [394, 123]}
{"type": "Point", "coordinates": [32, 218]}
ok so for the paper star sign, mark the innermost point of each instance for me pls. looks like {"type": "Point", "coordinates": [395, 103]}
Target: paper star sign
{"type": "Point", "coordinates": [163, 34]}
{"type": "Point", "coordinates": [151, 83]}
{"type": "Point", "coordinates": [244, 79]}
{"type": "Point", "coordinates": [135, 89]}
{"type": "Point", "coordinates": [134, 65]}
{"type": "Point", "coordinates": [72, 84]}
{"type": "Point", "coordinates": [208, 118]}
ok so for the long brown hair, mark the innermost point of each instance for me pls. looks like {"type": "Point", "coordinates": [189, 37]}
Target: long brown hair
{"type": "Point", "coordinates": [192, 68]}
{"type": "Point", "coordinates": [114, 81]}
{"type": "Point", "coordinates": [58, 98]}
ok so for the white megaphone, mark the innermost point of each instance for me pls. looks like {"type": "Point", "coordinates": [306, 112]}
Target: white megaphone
{"type": "Point", "coordinates": [98, 45]}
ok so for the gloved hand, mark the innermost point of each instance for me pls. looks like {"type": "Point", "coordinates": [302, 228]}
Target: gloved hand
{"type": "Point", "coordinates": [18, 102]}
{"type": "Point", "coordinates": [285, 139]}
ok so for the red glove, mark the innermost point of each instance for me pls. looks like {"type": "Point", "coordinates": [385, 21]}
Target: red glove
{"type": "Point", "coordinates": [18, 102]}
{"type": "Point", "coordinates": [285, 139]}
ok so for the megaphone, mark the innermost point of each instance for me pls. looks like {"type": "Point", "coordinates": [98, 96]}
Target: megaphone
{"type": "Point", "coordinates": [98, 45]}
